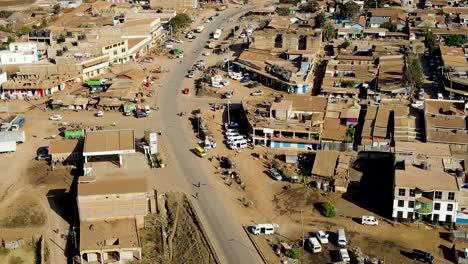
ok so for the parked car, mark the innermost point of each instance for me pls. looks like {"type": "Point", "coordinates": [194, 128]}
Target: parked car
{"type": "Point", "coordinates": [440, 96]}
{"type": "Point", "coordinates": [257, 93]}
{"type": "Point", "coordinates": [225, 82]}
{"type": "Point", "coordinates": [179, 41]}
{"type": "Point", "coordinates": [322, 237]}
{"type": "Point", "coordinates": [190, 74]}
{"type": "Point", "coordinates": [422, 256]}
{"type": "Point", "coordinates": [344, 255]}
{"type": "Point", "coordinates": [245, 80]}
{"type": "Point", "coordinates": [141, 114]}
{"type": "Point", "coordinates": [233, 124]}
{"type": "Point", "coordinates": [147, 109]}
{"type": "Point", "coordinates": [43, 156]}
{"type": "Point", "coordinates": [99, 113]}
{"type": "Point", "coordinates": [217, 85]}
{"type": "Point", "coordinates": [206, 53]}
{"type": "Point", "coordinates": [369, 220]}
{"type": "Point", "coordinates": [180, 56]}
{"type": "Point", "coordinates": [275, 174]}
{"type": "Point", "coordinates": [55, 117]}
{"type": "Point", "coordinates": [417, 104]}
{"type": "Point", "coordinates": [228, 94]}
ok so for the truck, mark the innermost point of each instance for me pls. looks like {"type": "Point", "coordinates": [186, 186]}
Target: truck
{"type": "Point", "coordinates": [7, 146]}
{"type": "Point", "coordinates": [200, 29]}
{"type": "Point", "coordinates": [74, 134]}
{"type": "Point", "coordinates": [129, 108]}
{"type": "Point", "coordinates": [217, 33]}
{"type": "Point", "coordinates": [16, 136]}
{"type": "Point", "coordinates": [14, 124]}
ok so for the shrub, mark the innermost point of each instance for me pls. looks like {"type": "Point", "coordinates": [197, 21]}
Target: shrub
{"type": "Point", "coordinates": [293, 253]}
{"type": "Point", "coordinates": [328, 209]}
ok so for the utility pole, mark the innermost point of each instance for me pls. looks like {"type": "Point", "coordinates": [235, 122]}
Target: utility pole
{"type": "Point", "coordinates": [302, 227]}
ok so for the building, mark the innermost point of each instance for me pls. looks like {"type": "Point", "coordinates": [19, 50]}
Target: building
{"type": "Point", "coordinates": [295, 121]}
{"type": "Point", "coordinates": [108, 144]}
{"type": "Point", "coordinates": [446, 121]}
{"type": "Point", "coordinates": [424, 191]}
{"type": "Point", "coordinates": [455, 69]}
{"type": "Point", "coordinates": [177, 4]}
{"type": "Point", "coordinates": [19, 53]}
{"type": "Point", "coordinates": [69, 150]}
{"type": "Point", "coordinates": [330, 170]}
{"type": "Point", "coordinates": [111, 211]}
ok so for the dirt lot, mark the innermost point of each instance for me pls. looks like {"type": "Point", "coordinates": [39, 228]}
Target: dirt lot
{"type": "Point", "coordinates": [15, 3]}
{"type": "Point", "coordinates": [185, 241]}
{"type": "Point", "coordinates": [23, 255]}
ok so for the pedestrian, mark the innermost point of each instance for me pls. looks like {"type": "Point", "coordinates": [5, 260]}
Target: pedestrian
{"type": "Point", "coordinates": [199, 184]}
{"type": "Point", "coordinates": [196, 195]}
{"type": "Point", "coordinates": [213, 117]}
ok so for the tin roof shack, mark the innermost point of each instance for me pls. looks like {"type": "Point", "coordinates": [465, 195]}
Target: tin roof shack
{"type": "Point", "coordinates": [294, 121]}
{"type": "Point", "coordinates": [68, 150]}
{"type": "Point", "coordinates": [331, 170]}
{"type": "Point", "coordinates": [385, 123]}
{"type": "Point", "coordinates": [105, 143]}
{"type": "Point", "coordinates": [109, 241]}
{"type": "Point", "coordinates": [424, 191]}
{"type": "Point", "coordinates": [70, 102]}
{"type": "Point", "coordinates": [456, 70]}
{"type": "Point", "coordinates": [446, 121]}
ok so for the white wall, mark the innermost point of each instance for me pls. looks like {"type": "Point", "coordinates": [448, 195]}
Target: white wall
{"type": "Point", "coordinates": [442, 212]}
{"type": "Point", "coordinates": [23, 47]}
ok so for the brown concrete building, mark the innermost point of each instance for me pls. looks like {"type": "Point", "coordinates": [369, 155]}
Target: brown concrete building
{"type": "Point", "coordinates": [68, 150]}
{"type": "Point", "coordinates": [330, 170]}
{"type": "Point", "coordinates": [109, 143]}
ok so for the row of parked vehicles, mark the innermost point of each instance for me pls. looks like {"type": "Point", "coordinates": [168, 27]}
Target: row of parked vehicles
{"type": "Point", "coordinates": [235, 140]}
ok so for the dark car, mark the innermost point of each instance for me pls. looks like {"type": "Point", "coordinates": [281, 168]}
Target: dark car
{"type": "Point", "coordinates": [140, 114]}
{"type": "Point", "coordinates": [422, 256]}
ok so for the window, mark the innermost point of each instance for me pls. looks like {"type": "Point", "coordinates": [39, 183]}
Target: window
{"type": "Point", "coordinates": [438, 195]}
{"type": "Point", "coordinates": [401, 192]}
{"type": "Point", "coordinates": [401, 203]}
{"type": "Point", "coordinates": [436, 206]}
{"type": "Point", "coordinates": [399, 214]}
{"type": "Point", "coordinates": [123, 50]}
{"type": "Point", "coordinates": [451, 196]}
{"type": "Point", "coordinates": [412, 192]}
{"type": "Point", "coordinates": [450, 207]}
{"type": "Point", "coordinates": [448, 219]}
{"type": "Point", "coordinates": [115, 52]}
{"type": "Point", "coordinates": [411, 204]}
{"type": "Point", "coordinates": [435, 218]}
{"type": "Point", "coordinates": [410, 215]}
{"type": "Point", "coordinates": [115, 45]}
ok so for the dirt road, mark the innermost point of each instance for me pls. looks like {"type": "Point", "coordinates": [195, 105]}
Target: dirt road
{"type": "Point", "coordinates": [230, 242]}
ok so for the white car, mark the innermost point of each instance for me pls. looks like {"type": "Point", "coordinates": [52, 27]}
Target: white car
{"type": "Point", "coordinates": [257, 93]}
{"type": "Point", "coordinates": [417, 104]}
{"type": "Point", "coordinates": [180, 56]}
{"type": "Point", "coordinates": [231, 130]}
{"type": "Point", "coordinates": [55, 117]}
{"type": "Point", "coordinates": [217, 85]}
{"type": "Point", "coordinates": [225, 82]}
{"type": "Point", "coordinates": [322, 237]}
{"type": "Point", "coordinates": [344, 255]}
{"type": "Point", "coordinates": [147, 109]}
{"type": "Point", "coordinates": [369, 220]}
{"type": "Point", "coordinates": [206, 53]}
{"type": "Point", "coordinates": [179, 41]}
{"type": "Point", "coordinates": [99, 113]}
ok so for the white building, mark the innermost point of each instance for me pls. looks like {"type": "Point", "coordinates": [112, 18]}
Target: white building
{"type": "Point", "coordinates": [422, 192]}
{"type": "Point", "coordinates": [19, 53]}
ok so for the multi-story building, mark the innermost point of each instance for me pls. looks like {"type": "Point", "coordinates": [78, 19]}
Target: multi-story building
{"type": "Point", "coordinates": [425, 192]}
{"type": "Point", "coordinates": [19, 53]}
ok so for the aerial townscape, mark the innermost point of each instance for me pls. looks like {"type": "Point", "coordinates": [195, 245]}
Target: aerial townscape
{"type": "Point", "coordinates": [233, 131]}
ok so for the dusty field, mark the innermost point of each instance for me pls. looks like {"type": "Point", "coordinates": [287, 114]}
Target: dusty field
{"type": "Point", "coordinates": [185, 241]}
{"type": "Point", "coordinates": [23, 255]}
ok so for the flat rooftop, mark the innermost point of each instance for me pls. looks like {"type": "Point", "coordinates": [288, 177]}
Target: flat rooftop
{"type": "Point", "coordinates": [325, 163]}
{"type": "Point", "coordinates": [109, 142]}
{"type": "Point", "coordinates": [59, 146]}
{"type": "Point", "coordinates": [113, 186]}
{"type": "Point", "coordinates": [113, 234]}
{"type": "Point", "coordinates": [426, 180]}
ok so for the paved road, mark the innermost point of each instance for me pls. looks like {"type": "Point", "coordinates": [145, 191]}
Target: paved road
{"type": "Point", "coordinates": [230, 241]}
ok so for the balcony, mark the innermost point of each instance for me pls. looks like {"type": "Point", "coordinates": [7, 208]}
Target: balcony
{"type": "Point", "coordinates": [423, 205]}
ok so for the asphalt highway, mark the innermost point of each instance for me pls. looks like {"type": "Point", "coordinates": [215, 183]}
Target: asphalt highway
{"type": "Point", "coordinates": [228, 237]}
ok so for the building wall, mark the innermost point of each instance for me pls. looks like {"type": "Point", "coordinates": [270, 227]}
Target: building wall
{"type": "Point", "coordinates": [112, 206]}
{"type": "Point", "coordinates": [23, 47]}
{"type": "Point", "coordinates": [442, 213]}
{"type": "Point", "coordinates": [116, 49]}
{"type": "Point", "coordinates": [17, 58]}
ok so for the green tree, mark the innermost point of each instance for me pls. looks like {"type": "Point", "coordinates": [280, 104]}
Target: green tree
{"type": "Point", "coordinates": [44, 23]}
{"type": "Point", "coordinates": [10, 39]}
{"type": "Point", "coordinates": [392, 27]}
{"type": "Point", "coordinates": [328, 209]}
{"type": "Point", "coordinates": [310, 7]}
{"type": "Point", "coordinates": [60, 38]}
{"type": "Point", "coordinates": [282, 11]}
{"type": "Point", "coordinates": [5, 13]}
{"type": "Point", "coordinates": [429, 41]}
{"type": "Point", "coordinates": [24, 30]}
{"type": "Point", "coordinates": [372, 3]}
{"type": "Point", "coordinates": [320, 20]}
{"type": "Point", "coordinates": [180, 21]}
{"type": "Point", "coordinates": [344, 45]}
{"type": "Point", "coordinates": [328, 32]}
{"type": "Point", "coordinates": [56, 9]}
{"type": "Point", "coordinates": [349, 10]}
{"type": "Point", "coordinates": [413, 74]}
{"type": "Point", "coordinates": [293, 253]}
{"type": "Point", "coordinates": [455, 40]}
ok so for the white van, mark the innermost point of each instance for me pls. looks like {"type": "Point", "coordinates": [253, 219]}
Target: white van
{"type": "Point", "coordinates": [314, 245]}
{"type": "Point", "coordinates": [232, 139]}
{"type": "Point", "coordinates": [238, 144]}
{"type": "Point", "coordinates": [263, 229]}
{"type": "Point", "coordinates": [341, 238]}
